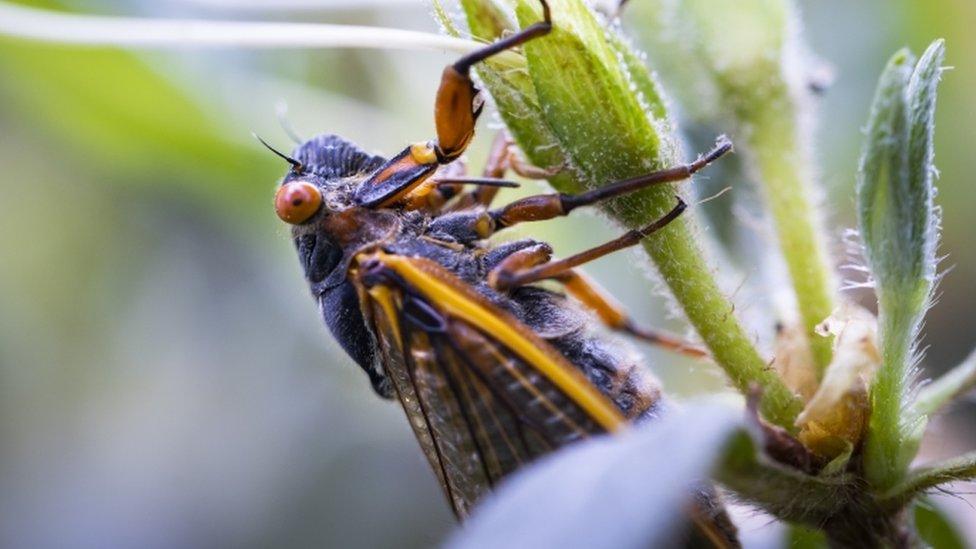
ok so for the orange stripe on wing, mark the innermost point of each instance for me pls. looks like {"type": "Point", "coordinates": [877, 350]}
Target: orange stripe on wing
{"type": "Point", "coordinates": [457, 300]}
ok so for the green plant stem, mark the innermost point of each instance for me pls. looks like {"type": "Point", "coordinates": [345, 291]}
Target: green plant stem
{"type": "Point", "coordinates": [888, 448]}
{"type": "Point", "coordinates": [603, 120]}
{"type": "Point", "coordinates": [955, 469]}
{"type": "Point", "coordinates": [690, 280]}
{"type": "Point", "coordinates": [784, 173]}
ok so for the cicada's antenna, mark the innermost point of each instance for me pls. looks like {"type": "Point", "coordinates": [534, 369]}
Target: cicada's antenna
{"type": "Point", "coordinates": [281, 112]}
{"type": "Point", "coordinates": [296, 166]}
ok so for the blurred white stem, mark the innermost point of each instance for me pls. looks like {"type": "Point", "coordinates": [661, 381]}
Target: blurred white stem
{"type": "Point", "coordinates": [66, 28]}
{"type": "Point", "coordinates": [305, 5]}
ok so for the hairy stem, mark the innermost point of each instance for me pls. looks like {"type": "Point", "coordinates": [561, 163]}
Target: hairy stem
{"type": "Point", "coordinates": [598, 106]}
{"type": "Point", "coordinates": [688, 276]}
{"type": "Point", "coordinates": [924, 478]}
{"type": "Point", "coordinates": [784, 172]}
{"type": "Point", "coordinates": [889, 448]}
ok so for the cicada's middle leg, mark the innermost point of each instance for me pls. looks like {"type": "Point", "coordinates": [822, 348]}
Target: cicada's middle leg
{"type": "Point", "coordinates": [502, 157]}
{"type": "Point", "coordinates": [535, 263]}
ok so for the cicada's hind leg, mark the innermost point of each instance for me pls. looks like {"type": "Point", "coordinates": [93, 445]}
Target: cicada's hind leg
{"type": "Point", "coordinates": [589, 294]}
{"type": "Point", "coordinates": [508, 278]}
{"type": "Point", "coordinates": [455, 113]}
{"type": "Point", "coordinates": [613, 314]}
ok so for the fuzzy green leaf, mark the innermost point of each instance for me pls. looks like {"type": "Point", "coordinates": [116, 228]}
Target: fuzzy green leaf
{"type": "Point", "coordinates": [895, 190]}
{"type": "Point", "coordinates": [782, 491]}
{"type": "Point", "coordinates": [898, 223]}
{"type": "Point", "coordinates": [924, 478]}
{"type": "Point", "coordinates": [951, 385]}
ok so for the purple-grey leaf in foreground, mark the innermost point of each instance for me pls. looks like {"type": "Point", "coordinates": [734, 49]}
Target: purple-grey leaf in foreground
{"type": "Point", "coordinates": [623, 491]}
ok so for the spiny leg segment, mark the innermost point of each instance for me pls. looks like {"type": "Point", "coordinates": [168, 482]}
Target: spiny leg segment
{"type": "Point", "coordinates": [548, 206]}
{"type": "Point", "coordinates": [453, 111]}
{"type": "Point", "coordinates": [524, 270]}
{"type": "Point", "coordinates": [535, 263]}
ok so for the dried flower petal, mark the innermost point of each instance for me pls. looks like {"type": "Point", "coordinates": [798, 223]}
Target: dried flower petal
{"type": "Point", "coordinates": [836, 417]}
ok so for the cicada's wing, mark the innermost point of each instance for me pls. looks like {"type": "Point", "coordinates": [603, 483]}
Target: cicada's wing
{"type": "Point", "coordinates": [483, 393]}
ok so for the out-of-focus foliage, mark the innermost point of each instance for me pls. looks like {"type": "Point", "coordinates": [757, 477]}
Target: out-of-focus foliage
{"type": "Point", "coordinates": [164, 379]}
{"type": "Point", "coordinates": [934, 529]}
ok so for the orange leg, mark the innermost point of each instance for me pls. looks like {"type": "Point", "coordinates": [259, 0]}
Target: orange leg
{"type": "Point", "coordinates": [612, 313]}
{"type": "Point", "coordinates": [547, 206]}
{"type": "Point", "coordinates": [454, 109]}
{"type": "Point", "coordinates": [495, 168]}
{"type": "Point", "coordinates": [404, 180]}
{"type": "Point", "coordinates": [502, 157]}
{"type": "Point", "coordinates": [590, 295]}
{"type": "Point", "coordinates": [499, 277]}
{"type": "Point", "coordinates": [449, 182]}
{"type": "Point", "coordinates": [523, 168]}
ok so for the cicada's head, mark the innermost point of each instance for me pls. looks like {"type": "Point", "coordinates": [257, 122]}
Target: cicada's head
{"type": "Point", "coordinates": [317, 198]}
{"type": "Point", "coordinates": [325, 171]}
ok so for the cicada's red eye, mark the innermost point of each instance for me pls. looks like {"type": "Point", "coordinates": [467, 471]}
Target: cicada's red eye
{"type": "Point", "coordinates": [297, 201]}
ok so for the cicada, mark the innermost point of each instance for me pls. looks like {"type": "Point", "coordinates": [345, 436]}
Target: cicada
{"type": "Point", "coordinates": [491, 369]}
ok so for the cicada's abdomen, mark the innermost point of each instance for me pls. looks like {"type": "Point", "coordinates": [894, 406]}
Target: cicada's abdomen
{"type": "Point", "coordinates": [609, 363]}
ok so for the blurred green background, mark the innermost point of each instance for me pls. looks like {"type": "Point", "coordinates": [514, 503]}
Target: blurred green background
{"type": "Point", "coordinates": [165, 381]}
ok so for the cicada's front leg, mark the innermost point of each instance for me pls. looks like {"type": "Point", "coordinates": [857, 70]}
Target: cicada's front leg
{"type": "Point", "coordinates": [456, 111]}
